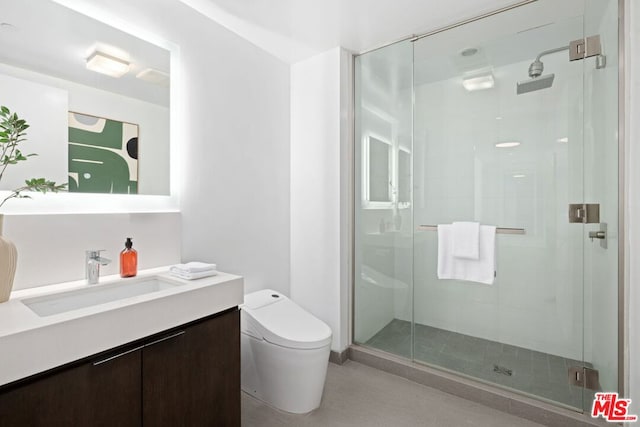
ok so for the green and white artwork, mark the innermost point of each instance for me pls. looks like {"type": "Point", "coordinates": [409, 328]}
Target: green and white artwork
{"type": "Point", "coordinates": [103, 155]}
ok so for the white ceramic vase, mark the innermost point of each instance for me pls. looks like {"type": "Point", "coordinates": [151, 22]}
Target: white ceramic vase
{"type": "Point", "coordinates": [8, 260]}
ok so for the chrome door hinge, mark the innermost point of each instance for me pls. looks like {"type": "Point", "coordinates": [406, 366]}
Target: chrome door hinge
{"type": "Point", "coordinates": [585, 213]}
{"type": "Point", "coordinates": [582, 376]}
{"type": "Point", "coordinates": [585, 48]}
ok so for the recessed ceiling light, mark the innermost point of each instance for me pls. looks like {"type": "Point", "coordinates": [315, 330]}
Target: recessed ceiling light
{"type": "Point", "coordinates": [107, 64]}
{"type": "Point", "coordinates": [469, 51]}
{"type": "Point", "coordinates": [519, 175]}
{"type": "Point", "coordinates": [508, 144]}
{"type": "Point", "coordinates": [565, 139]}
{"type": "Point", "coordinates": [484, 81]}
{"type": "Point", "coordinates": [499, 118]}
{"type": "Point", "coordinates": [154, 76]}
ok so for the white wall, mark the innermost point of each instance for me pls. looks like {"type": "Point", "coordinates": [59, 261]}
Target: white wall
{"type": "Point", "coordinates": [235, 189]}
{"type": "Point", "coordinates": [320, 189]}
{"type": "Point", "coordinates": [48, 134]}
{"type": "Point", "coordinates": [51, 248]}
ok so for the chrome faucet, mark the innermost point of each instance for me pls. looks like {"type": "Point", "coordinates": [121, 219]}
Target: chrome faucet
{"type": "Point", "coordinates": [93, 261]}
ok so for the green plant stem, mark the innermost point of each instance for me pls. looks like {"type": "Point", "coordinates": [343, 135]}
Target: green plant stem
{"type": "Point", "coordinates": [14, 194]}
{"type": "Point", "coordinates": [12, 137]}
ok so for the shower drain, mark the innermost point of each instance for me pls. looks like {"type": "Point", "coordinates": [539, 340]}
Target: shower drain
{"type": "Point", "coordinates": [502, 370]}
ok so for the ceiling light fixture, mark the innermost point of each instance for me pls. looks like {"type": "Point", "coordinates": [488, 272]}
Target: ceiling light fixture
{"type": "Point", "coordinates": [565, 139]}
{"type": "Point", "coordinates": [508, 144]}
{"type": "Point", "coordinates": [470, 51]}
{"type": "Point", "coordinates": [154, 76]}
{"type": "Point", "coordinates": [107, 64]}
{"type": "Point", "coordinates": [481, 82]}
{"type": "Point", "coordinates": [519, 175]}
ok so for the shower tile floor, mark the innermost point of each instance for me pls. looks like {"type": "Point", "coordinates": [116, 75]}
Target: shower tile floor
{"type": "Point", "coordinates": [532, 372]}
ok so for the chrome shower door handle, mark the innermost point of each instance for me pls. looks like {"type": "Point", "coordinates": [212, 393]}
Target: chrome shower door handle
{"type": "Point", "coordinates": [601, 235]}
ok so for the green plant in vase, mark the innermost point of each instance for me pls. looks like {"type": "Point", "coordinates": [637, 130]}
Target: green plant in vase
{"type": "Point", "coordinates": [12, 134]}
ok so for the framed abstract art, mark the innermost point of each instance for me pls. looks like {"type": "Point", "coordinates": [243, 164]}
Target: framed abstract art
{"type": "Point", "coordinates": [103, 155]}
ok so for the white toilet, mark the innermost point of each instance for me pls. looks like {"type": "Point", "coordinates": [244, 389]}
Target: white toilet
{"type": "Point", "coordinates": [285, 352]}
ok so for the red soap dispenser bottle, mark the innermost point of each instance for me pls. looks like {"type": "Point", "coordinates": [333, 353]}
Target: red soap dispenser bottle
{"type": "Point", "coordinates": [128, 260]}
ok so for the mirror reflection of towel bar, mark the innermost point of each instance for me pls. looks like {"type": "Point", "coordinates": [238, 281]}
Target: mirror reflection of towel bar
{"type": "Point", "coordinates": [499, 230]}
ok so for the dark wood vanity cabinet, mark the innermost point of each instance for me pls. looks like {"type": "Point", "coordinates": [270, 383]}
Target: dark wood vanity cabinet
{"type": "Point", "coordinates": [101, 395]}
{"type": "Point", "coordinates": [188, 377]}
{"type": "Point", "coordinates": [192, 376]}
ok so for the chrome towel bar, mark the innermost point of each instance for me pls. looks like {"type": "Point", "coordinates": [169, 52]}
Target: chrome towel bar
{"type": "Point", "coordinates": [499, 230]}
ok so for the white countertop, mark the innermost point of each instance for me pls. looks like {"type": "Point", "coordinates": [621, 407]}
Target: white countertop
{"type": "Point", "coordinates": [30, 344]}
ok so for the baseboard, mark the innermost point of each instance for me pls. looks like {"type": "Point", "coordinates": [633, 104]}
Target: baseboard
{"type": "Point", "coordinates": [485, 394]}
{"type": "Point", "coordinates": [339, 357]}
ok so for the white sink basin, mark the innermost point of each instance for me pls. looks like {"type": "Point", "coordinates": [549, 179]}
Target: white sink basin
{"type": "Point", "coordinates": [91, 295]}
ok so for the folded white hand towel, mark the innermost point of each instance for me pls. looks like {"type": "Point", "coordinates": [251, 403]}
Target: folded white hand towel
{"type": "Point", "coordinates": [195, 275]}
{"type": "Point", "coordinates": [466, 240]}
{"type": "Point", "coordinates": [481, 270]}
{"type": "Point", "coordinates": [193, 267]}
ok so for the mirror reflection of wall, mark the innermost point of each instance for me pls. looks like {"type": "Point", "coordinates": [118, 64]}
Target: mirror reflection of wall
{"type": "Point", "coordinates": [379, 170]}
{"type": "Point", "coordinates": [386, 176]}
{"type": "Point", "coordinates": [48, 58]}
{"type": "Point", "coordinates": [404, 178]}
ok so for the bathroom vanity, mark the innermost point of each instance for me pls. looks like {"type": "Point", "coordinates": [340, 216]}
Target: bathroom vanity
{"type": "Point", "coordinates": [177, 361]}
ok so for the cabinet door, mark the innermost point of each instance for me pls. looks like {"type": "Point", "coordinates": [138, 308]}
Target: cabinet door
{"type": "Point", "coordinates": [102, 393]}
{"type": "Point", "coordinates": [191, 378]}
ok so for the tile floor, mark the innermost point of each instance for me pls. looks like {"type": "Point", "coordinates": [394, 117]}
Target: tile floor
{"type": "Point", "coordinates": [532, 372]}
{"type": "Point", "coordinates": [357, 395]}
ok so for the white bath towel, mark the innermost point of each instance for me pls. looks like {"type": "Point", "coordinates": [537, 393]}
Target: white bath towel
{"type": "Point", "coordinates": [481, 270]}
{"type": "Point", "coordinates": [192, 267]}
{"type": "Point", "coordinates": [195, 275]}
{"type": "Point", "coordinates": [466, 240]}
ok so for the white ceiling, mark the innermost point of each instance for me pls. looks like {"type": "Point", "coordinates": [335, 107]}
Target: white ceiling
{"type": "Point", "coordinates": [293, 30]}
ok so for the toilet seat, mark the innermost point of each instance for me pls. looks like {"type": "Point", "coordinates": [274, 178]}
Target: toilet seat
{"type": "Point", "coordinates": [271, 316]}
{"type": "Point", "coordinates": [285, 352]}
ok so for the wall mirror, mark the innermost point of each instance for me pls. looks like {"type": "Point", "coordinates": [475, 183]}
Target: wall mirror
{"type": "Point", "coordinates": [379, 170]}
{"type": "Point", "coordinates": [96, 99]}
{"type": "Point", "coordinates": [386, 173]}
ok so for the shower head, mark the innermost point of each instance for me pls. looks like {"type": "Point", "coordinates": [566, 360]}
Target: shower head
{"type": "Point", "coordinates": [535, 83]}
{"type": "Point", "coordinates": [538, 81]}
{"type": "Point", "coordinates": [536, 68]}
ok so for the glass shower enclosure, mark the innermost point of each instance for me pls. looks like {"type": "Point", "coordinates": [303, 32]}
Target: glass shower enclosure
{"type": "Point", "coordinates": [510, 121]}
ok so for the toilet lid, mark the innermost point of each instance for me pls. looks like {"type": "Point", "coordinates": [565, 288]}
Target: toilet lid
{"type": "Point", "coordinates": [282, 322]}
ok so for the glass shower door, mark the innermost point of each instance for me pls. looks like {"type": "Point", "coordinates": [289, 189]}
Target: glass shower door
{"type": "Point", "coordinates": [496, 146]}
{"type": "Point", "coordinates": [491, 122]}
{"type": "Point", "coordinates": [383, 271]}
